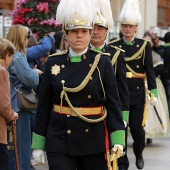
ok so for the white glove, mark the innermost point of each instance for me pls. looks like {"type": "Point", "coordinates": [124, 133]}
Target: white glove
{"type": "Point", "coordinates": [39, 156]}
{"type": "Point", "coordinates": [116, 152]}
{"type": "Point", "coordinates": [119, 146]}
{"type": "Point", "coordinates": [125, 123]}
{"type": "Point", "coordinates": [153, 101]}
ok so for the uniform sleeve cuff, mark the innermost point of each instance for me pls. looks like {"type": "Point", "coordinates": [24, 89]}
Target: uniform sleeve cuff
{"type": "Point", "coordinates": [154, 92]}
{"type": "Point", "coordinates": [125, 116]}
{"type": "Point", "coordinates": [38, 142]}
{"type": "Point", "coordinates": [117, 137]}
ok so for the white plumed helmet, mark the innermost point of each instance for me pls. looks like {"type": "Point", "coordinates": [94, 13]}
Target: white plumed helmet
{"type": "Point", "coordinates": [130, 13]}
{"type": "Point", "coordinates": [76, 14]}
{"type": "Point", "coordinates": [104, 14]}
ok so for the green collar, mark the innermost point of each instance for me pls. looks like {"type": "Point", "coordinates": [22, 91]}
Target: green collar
{"type": "Point", "coordinates": [128, 43]}
{"type": "Point", "coordinates": [75, 59]}
{"type": "Point", "coordinates": [98, 49]}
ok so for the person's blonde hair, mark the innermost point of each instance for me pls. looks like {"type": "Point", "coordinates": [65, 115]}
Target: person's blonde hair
{"type": "Point", "coordinates": [62, 45]}
{"type": "Point", "coordinates": [17, 35]}
{"type": "Point", "coordinates": [6, 47]}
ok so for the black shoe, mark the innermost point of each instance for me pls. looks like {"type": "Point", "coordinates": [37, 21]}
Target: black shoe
{"type": "Point", "coordinates": [148, 141]}
{"type": "Point", "coordinates": [139, 162]}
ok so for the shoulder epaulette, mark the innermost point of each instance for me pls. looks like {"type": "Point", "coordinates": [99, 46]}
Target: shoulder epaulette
{"type": "Point", "coordinates": [143, 39]}
{"type": "Point", "coordinates": [116, 40]}
{"type": "Point", "coordinates": [99, 52]}
{"type": "Point", "coordinates": [58, 53]}
{"type": "Point", "coordinates": [117, 48]}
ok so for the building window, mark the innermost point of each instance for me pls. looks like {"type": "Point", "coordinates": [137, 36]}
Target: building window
{"type": "Point", "coordinates": [163, 12]}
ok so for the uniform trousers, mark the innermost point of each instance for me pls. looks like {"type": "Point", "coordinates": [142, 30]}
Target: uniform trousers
{"type": "Point", "coordinates": [137, 131]}
{"type": "Point", "coordinates": [4, 160]}
{"type": "Point", "coordinates": [58, 161]}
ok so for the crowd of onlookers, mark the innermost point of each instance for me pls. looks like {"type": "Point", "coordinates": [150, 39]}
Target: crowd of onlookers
{"type": "Point", "coordinates": [25, 58]}
{"type": "Point", "coordinates": [154, 127]}
{"type": "Point", "coordinates": [161, 49]}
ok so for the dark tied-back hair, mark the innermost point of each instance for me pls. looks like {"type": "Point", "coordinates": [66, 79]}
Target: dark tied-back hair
{"type": "Point", "coordinates": [58, 37]}
{"type": "Point", "coordinates": [167, 37]}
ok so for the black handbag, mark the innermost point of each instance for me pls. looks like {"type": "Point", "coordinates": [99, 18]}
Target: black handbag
{"type": "Point", "coordinates": [27, 102]}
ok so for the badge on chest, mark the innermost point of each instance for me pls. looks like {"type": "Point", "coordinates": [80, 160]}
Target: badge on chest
{"type": "Point", "coordinates": [55, 69]}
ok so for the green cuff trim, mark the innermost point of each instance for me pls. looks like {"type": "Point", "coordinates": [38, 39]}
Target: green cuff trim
{"type": "Point", "coordinates": [125, 116]}
{"type": "Point", "coordinates": [154, 92]}
{"type": "Point", "coordinates": [166, 44]}
{"type": "Point", "coordinates": [38, 142]}
{"type": "Point", "coordinates": [117, 137]}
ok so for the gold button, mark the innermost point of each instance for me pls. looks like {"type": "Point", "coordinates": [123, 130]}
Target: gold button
{"type": "Point", "coordinates": [86, 130]}
{"type": "Point", "coordinates": [89, 96]}
{"type": "Point", "coordinates": [120, 46]}
{"type": "Point", "coordinates": [137, 87]}
{"type": "Point", "coordinates": [84, 57]}
{"type": "Point", "coordinates": [137, 45]}
{"type": "Point", "coordinates": [90, 78]}
{"type": "Point", "coordinates": [68, 131]}
{"type": "Point", "coordinates": [68, 115]}
{"type": "Point", "coordinates": [62, 66]}
{"type": "Point", "coordinates": [90, 65]}
{"type": "Point", "coordinates": [137, 66]}
{"type": "Point", "coordinates": [62, 81]}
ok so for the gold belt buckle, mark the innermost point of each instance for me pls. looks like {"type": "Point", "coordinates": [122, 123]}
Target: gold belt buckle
{"type": "Point", "coordinates": [128, 74]}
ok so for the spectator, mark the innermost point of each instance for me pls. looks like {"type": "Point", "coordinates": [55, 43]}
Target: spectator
{"type": "Point", "coordinates": [58, 38]}
{"type": "Point", "coordinates": [7, 114]}
{"type": "Point", "coordinates": [36, 51]}
{"type": "Point", "coordinates": [64, 43]}
{"type": "Point", "coordinates": [153, 127]}
{"type": "Point", "coordinates": [23, 78]}
{"type": "Point", "coordinates": [166, 57]}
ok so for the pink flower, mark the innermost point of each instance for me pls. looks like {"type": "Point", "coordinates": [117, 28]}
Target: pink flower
{"type": "Point", "coordinates": [51, 22]}
{"type": "Point", "coordinates": [43, 7]}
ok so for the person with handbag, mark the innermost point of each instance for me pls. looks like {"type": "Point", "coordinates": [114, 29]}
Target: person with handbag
{"type": "Point", "coordinates": [72, 124]}
{"type": "Point", "coordinates": [7, 114]}
{"type": "Point", "coordinates": [23, 79]}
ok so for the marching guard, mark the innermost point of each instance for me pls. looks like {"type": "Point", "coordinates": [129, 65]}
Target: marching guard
{"type": "Point", "coordinates": [103, 23]}
{"type": "Point", "coordinates": [139, 67]}
{"type": "Point", "coordinates": [79, 111]}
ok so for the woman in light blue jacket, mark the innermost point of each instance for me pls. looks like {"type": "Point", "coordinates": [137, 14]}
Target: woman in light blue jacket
{"type": "Point", "coordinates": [23, 78]}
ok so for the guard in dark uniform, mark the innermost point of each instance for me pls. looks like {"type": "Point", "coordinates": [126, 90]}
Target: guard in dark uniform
{"type": "Point", "coordinates": [103, 23]}
{"type": "Point", "coordinates": [77, 87]}
{"type": "Point", "coordinates": [139, 68]}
